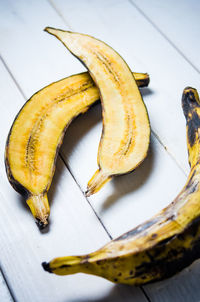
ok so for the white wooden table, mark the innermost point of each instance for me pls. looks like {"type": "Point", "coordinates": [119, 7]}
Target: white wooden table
{"type": "Point", "coordinates": [158, 37]}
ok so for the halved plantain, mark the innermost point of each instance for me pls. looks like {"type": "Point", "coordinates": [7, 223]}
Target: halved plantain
{"type": "Point", "coordinates": [126, 130]}
{"type": "Point", "coordinates": [36, 136]}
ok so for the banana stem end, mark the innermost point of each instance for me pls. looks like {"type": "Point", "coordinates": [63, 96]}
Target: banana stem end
{"type": "Point", "coordinates": [46, 267]}
{"type": "Point", "coordinates": [99, 179]}
{"type": "Point", "coordinates": [67, 265]}
{"type": "Point", "coordinates": [40, 209]}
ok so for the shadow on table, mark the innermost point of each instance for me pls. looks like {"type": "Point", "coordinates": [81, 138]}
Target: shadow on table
{"type": "Point", "coordinates": [146, 91]}
{"type": "Point", "coordinates": [85, 122]}
{"type": "Point", "coordinates": [60, 168]}
{"type": "Point", "coordinates": [130, 182]}
{"type": "Point", "coordinates": [80, 127]}
{"type": "Point", "coordinates": [183, 286]}
{"type": "Point", "coordinates": [119, 293]}
{"type": "Point", "coordinates": [135, 179]}
{"type": "Point", "coordinates": [75, 132]}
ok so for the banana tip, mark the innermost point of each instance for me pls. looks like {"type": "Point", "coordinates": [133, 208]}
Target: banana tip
{"type": "Point", "coordinates": [41, 225]}
{"type": "Point", "coordinates": [88, 193]}
{"type": "Point", "coordinates": [51, 30]}
{"type": "Point", "coordinates": [190, 100]}
{"type": "Point", "coordinates": [46, 267]}
{"type": "Point", "coordinates": [47, 28]}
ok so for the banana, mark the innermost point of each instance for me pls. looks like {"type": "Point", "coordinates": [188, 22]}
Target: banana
{"type": "Point", "coordinates": [163, 245]}
{"type": "Point", "coordinates": [126, 130]}
{"type": "Point", "coordinates": [37, 133]}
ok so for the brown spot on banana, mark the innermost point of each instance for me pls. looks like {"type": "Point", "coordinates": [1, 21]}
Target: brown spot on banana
{"type": "Point", "coordinates": [126, 131]}
{"type": "Point", "coordinates": [191, 108]}
{"type": "Point", "coordinates": [156, 249]}
{"type": "Point", "coordinates": [36, 136]}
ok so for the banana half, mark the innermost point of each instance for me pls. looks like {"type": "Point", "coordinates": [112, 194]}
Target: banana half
{"type": "Point", "coordinates": [37, 133]}
{"type": "Point", "coordinates": [162, 246]}
{"type": "Point", "coordinates": [126, 130]}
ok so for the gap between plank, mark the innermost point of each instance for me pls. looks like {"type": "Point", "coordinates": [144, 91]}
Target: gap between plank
{"type": "Point", "coordinates": [145, 294]}
{"type": "Point", "coordinates": [19, 88]}
{"type": "Point", "coordinates": [8, 286]}
{"type": "Point", "coordinates": [12, 76]}
{"type": "Point", "coordinates": [171, 155]}
{"type": "Point", "coordinates": [163, 35]}
{"type": "Point", "coordinates": [101, 222]}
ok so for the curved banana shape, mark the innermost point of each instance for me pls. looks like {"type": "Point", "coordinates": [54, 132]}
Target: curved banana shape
{"type": "Point", "coordinates": [126, 130]}
{"type": "Point", "coordinates": [37, 132]}
{"type": "Point", "coordinates": [162, 246]}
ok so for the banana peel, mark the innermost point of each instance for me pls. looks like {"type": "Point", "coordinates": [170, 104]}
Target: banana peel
{"type": "Point", "coordinates": [161, 246]}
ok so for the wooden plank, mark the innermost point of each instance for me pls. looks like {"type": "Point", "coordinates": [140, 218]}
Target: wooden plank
{"type": "Point", "coordinates": [178, 21]}
{"type": "Point", "coordinates": [5, 295]}
{"type": "Point", "coordinates": [74, 229]}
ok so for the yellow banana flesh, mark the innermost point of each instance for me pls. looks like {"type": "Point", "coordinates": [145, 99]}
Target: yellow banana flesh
{"type": "Point", "coordinates": [37, 132]}
{"type": "Point", "coordinates": [163, 245]}
{"type": "Point", "coordinates": [126, 130]}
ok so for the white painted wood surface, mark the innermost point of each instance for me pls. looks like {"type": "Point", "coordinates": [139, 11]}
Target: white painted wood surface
{"type": "Point", "coordinates": [34, 59]}
{"type": "Point", "coordinates": [178, 22]}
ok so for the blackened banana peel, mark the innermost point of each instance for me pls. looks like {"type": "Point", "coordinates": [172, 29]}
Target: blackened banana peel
{"type": "Point", "coordinates": [161, 246]}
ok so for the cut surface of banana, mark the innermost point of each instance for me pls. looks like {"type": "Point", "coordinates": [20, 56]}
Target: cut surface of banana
{"type": "Point", "coordinates": [126, 129]}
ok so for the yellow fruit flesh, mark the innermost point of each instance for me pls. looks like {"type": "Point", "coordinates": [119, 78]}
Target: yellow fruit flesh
{"type": "Point", "coordinates": [126, 131]}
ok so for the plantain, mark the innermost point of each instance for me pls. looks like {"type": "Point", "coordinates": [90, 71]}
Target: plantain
{"type": "Point", "coordinates": [163, 245]}
{"type": "Point", "coordinates": [126, 131]}
{"type": "Point", "coordinates": [37, 132]}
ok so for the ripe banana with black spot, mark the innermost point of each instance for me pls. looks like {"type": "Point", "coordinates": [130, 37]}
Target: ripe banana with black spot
{"type": "Point", "coordinates": [126, 131]}
{"type": "Point", "coordinates": [37, 133]}
{"type": "Point", "coordinates": [162, 246]}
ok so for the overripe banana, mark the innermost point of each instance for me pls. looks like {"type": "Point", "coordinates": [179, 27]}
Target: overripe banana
{"type": "Point", "coordinates": [162, 246]}
{"type": "Point", "coordinates": [126, 130]}
{"type": "Point", "coordinates": [37, 133]}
